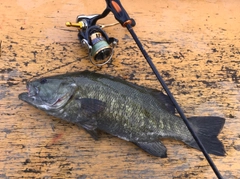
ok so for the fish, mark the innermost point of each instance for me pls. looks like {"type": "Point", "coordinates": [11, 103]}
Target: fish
{"type": "Point", "coordinates": [138, 114]}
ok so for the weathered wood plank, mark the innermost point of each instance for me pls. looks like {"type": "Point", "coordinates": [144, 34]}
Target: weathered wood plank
{"type": "Point", "coordinates": [194, 44]}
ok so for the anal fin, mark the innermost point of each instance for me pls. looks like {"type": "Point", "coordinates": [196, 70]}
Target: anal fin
{"type": "Point", "coordinates": [154, 148]}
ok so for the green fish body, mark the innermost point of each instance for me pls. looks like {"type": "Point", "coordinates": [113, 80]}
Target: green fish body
{"type": "Point", "coordinates": [131, 112]}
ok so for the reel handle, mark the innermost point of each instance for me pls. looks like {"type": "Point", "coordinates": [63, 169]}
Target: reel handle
{"type": "Point", "coordinates": [119, 12]}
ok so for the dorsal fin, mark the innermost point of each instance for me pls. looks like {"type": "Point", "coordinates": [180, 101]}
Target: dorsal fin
{"type": "Point", "coordinates": [165, 100]}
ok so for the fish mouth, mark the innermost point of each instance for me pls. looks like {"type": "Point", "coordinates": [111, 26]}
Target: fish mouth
{"type": "Point", "coordinates": [24, 96]}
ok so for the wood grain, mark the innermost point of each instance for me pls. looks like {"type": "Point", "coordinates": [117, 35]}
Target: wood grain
{"type": "Point", "coordinates": [195, 46]}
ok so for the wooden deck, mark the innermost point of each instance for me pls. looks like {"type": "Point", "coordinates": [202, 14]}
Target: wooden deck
{"type": "Point", "coordinates": [195, 46]}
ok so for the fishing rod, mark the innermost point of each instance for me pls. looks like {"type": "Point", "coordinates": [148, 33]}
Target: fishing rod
{"type": "Point", "coordinates": [123, 18]}
{"type": "Point", "coordinates": [101, 53]}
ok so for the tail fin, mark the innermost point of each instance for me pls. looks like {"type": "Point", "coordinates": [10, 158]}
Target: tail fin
{"type": "Point", "coordinates": [207, 130]}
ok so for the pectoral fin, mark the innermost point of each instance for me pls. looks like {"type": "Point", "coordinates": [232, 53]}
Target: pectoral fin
{"type": "Point", "coordinates": [88, 110]}
{"type": "Point", "coordinates": [91, 106]}
{"type": "Point", "coordinates": [154, 148]}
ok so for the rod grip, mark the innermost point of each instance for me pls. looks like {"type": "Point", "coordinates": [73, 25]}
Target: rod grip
{"type": "Point", "coordinates": [119, 13]}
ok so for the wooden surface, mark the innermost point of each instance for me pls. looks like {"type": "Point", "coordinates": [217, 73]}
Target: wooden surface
{"type": "Point", "coordinates": [195, 46]}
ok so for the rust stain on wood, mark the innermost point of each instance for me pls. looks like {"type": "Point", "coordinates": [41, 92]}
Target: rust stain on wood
{"type": "Point", "coordinates": [195, 46]}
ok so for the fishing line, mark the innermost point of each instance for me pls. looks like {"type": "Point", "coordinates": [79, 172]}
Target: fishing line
{"type": "Point", "coordinates": [56, 68]}
{"type": "Point", "coordinates": [121, 15]}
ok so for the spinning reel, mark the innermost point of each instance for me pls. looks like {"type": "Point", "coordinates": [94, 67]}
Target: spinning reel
{"type": "Point", "coordinates": [100, 46]}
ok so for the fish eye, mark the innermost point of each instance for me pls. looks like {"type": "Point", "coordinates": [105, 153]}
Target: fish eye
{"type": "Point", "coordinates": [43, 80]}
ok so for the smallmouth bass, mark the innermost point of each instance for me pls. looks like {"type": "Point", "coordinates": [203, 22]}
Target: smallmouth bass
{"type": "Point", "coordinates": [131, 112]}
